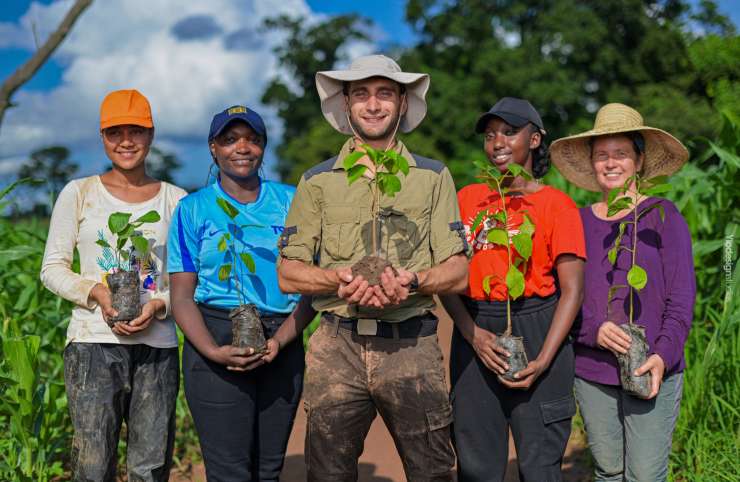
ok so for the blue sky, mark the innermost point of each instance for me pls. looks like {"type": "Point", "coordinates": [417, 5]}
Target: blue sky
{"type": "Point", "coordinates": [191, 59]}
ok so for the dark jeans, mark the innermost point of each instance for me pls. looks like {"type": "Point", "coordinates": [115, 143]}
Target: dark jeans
{"type": "Point", "coordinates": [243, 419]}
{"type": "Point", "coordinates": [484, 409]}
{"type": "Point", "coordinates": [109, 383]}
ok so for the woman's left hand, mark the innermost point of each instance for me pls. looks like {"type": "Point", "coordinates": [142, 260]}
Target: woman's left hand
{"type": "Point", "coordinates": [655, 365]}
{"type": "Point", "coordinates": [526, 378]}
{"type": "Point", "coordinates": [140, 323]}
{"type": "Point", "coordinates": [273, 348]}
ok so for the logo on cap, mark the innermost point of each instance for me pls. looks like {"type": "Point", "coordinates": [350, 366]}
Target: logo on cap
{"type": "Point", "coordinates": [239, 109]}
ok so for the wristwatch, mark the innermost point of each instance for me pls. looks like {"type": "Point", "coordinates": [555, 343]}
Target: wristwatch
{"type": "Point", "coordinates": [414, 284]}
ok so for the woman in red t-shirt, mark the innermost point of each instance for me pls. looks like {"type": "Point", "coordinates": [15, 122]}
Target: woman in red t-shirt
{"type": "Point", "coordinates": [539, 404]}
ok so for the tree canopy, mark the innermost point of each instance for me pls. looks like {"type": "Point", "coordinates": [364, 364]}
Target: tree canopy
{"type": "Point", "coordinates": [674, 64]}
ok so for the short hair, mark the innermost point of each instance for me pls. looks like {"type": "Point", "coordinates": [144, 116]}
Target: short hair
{"type": "Point", "coordinates": [345, 85]}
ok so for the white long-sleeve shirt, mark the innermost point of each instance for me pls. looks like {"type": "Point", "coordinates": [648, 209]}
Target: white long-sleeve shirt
{"type": "Point", "coordinates": [79, 219]}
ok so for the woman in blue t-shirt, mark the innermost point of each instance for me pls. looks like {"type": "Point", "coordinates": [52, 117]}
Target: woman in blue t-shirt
{"type": "Point", "coordinates": [222, 253]}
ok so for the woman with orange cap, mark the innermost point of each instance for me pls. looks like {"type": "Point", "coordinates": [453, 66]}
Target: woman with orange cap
{"type": "Point", "coordinates": [116, 370]}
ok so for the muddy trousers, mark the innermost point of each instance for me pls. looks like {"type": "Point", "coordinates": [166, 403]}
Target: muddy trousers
{"type": "Point", "coordinates": [351, 377]}
{"type": "Point", "coordinates": [109, 383]}
{"type": "Point", "coordinates": [484, 409]}
{"type": "Point", "coordinates": [243, 419]}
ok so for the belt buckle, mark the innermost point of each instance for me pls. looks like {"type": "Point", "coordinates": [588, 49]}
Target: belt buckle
{"type": "Point", "coordinates": [367, 326]}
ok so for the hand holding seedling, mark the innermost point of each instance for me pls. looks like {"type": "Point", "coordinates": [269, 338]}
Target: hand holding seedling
{"type": "Point", "coordinates": [492, 355]}
{"type": "Point", "coordinates": [100, 294]}
{"type": "Point", "coordinates": [393, 289]}
{"type": "Point", "coordinates": [235, 358]}
{"type": "Point", "coordinates": [611, 337]}
{"type": "Point", "coordinates": [141, 322]}
{"type": "Point", "coordinates": [525, 378]}
{"type": "Point", "coordinates": [271, 350]}
{"type": "Point", "coordinates": [656, 367]}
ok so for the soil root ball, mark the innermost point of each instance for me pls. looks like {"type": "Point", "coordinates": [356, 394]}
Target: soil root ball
{"type": "Point", "coordinates": [518, 359]}
{"type": "Point", "coordinates": [632, 360]}
{"type": "Point", "coordinates": [246, 328]}
{"type": "Point", "coordinates": [124, 289]}
{"type": "Point", "coordinates": [370, 268]}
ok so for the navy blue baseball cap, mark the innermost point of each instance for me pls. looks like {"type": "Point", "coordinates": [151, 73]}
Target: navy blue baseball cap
{"type": "Point", "coordinates": [515, 112]}
{"type": "Point", "coordinates": [237, 112]}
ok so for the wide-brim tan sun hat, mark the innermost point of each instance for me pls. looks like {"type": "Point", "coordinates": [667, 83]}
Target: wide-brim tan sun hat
{"type": "Point", "coordinates": [330, 85]}
{"type": "Point", "coordinates": [664, 154]}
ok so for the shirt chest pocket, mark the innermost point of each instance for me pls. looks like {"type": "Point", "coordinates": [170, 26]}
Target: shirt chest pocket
{"type": "Point", "coordinates": [404, 233]}
{"type": "Point", "coordinates": [341, 231]}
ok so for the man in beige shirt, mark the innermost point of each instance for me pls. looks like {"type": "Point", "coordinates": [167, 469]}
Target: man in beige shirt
{"type": "Point", "coordinates": [376, 348]}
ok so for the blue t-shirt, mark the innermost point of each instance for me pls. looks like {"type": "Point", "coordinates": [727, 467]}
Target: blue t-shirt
{"type": "Point", "coordinates": [204, 239]}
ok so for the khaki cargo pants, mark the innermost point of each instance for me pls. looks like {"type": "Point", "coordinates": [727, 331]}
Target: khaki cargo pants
{"type": "Point", "coordinates": [350, 377]}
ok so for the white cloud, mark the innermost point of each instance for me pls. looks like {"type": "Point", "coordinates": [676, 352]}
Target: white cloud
{"type": "Point", "coordinates": [132, 44]}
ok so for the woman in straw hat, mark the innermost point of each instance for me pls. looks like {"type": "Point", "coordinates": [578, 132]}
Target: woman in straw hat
{"type": "Point", "coordinates": [538, 405]}
{"type": "Point", "coordinates": [629, 437]}
{"type": "Point", "coordinates": [117, 370]}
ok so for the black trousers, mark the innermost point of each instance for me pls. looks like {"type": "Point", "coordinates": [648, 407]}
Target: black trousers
{"type": "Point", "coordinates": [108, 383]}
{"type": "Point", "coordinates": [243, 419]}
{"type": "Point", "coordinates": [484, 410]}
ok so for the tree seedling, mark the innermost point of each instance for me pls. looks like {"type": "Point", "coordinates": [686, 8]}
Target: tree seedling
{"type": "Point", "coordinates": [386, 181]}
{"type": "Point", "coordinates": [518, 253]}
{"type": "Point", "coordinates": [124, 282]}
{"type": "Point", "coordinates": [620, 199]}
{"type": "Point", "coordinates": [246, 326]}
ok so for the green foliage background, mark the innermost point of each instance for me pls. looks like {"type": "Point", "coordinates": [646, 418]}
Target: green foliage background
{"type": "Point", "coordinates": [676, 65]}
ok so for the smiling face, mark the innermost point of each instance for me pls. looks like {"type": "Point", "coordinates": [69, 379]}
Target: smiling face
{"type": "Point", "coordinates": [127, 145]}
{"type": "Point", "coordinates": [505, 144]}
{"type": "Point", "coordinates": [375, 105]}
{"type": "Point", "coordinates": [614, 161]}
{"type": "Point", "coordinates": [238, 151]}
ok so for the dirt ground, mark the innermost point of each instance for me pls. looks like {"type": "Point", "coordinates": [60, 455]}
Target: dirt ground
{"type": "Point", "coordinates": [380, 462]}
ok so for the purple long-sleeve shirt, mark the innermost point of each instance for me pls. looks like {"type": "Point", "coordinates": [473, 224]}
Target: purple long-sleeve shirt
{"type": "Point", "coordinates": [664, 306]}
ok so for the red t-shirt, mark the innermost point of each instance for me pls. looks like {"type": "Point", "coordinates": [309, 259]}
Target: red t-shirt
{"type": "Point", "coordinates": [558, 230]}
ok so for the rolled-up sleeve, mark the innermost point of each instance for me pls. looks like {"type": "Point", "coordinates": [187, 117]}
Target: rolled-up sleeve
{"type": "Point", "coordinates": [680, 289]}
{"type": "Point", "coordinates": [300, 238]}
{"type": "Point", "coordinates": [56, 267]}
{"type": "Point", "coordinates": [447, 233]}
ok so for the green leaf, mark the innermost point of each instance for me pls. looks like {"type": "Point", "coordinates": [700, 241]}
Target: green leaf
{"type": "Point", "coordinates": [352, 159]}
{"type": "Point", "coordinates": [355, 172]}
{"type": "Point", "coordinates": [478, 220]}
{"type": "Point", "coordinates": [222, 244]}
{"type": "Point", "coordinates": [102, 243]}
{"type": "Point", "coordinates": [125, 255]}
{"type": "Point", "coordinates": [612, 291]}
{"type": "Point", "coordinates": [523, 244]}
{"type": "Point", "coordinates": [619, 205]}
{"type": "Point", "coordinates": [487, 284]}
{"type": "Point", "coordinates": [373, 154]}
{"type": "Point", "coordinates": [230, 210]}
{"type": "Point", "coordinates": [498, 236]}
{"type": "Point", "coordinates": [248, 261]}
{"type": "Point", "coordinates": [612, 255]}
{"type": "Point", "coordinates": [127, 231]}
{"type": "Point", "coordinates": [637, 277]}
{"type": "Point", "coordinates": [403, 165]}
{"type": "Point", "coordinates": [121, 242]}
{"type": "Point", "coordinates": [725, 156]}
{"type": "Point", "coordinates": [656, 190]}
{"type": "Point", "coordinates": [515, 282]}
{"type": "Point", "coordinates": [118, 221]}
{"type": "Point", "coordinates": [515, 169]}
{"type": "Point", "coordinates": [140, 244]}
{"type": "Point", "coordinates": [613, 193]}
{"type": "Point", "coordinates": [224, 271]}
{"type": "Point", "coordinates": [527, 226]}
{"type": "Point", "coordinates": [388, 184]}
{"type": "Point", "coordinates": [150, 217]}
{"type": "Point", "coordinates": [500, 216]}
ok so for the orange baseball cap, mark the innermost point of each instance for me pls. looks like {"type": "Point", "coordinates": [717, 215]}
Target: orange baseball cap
{"type": "Point", "coordinates": [125, 107]}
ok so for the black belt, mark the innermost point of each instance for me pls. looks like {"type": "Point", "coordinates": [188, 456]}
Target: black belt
{"type": "Point", "coordinates": [414, 327]}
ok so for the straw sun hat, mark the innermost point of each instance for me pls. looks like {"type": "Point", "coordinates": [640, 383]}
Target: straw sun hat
{"type": "Point", "coordinates": [664, 154]}
{"type": "Point", "coordinates": [330, 84]}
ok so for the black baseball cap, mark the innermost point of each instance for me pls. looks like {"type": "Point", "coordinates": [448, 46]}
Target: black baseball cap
{"type": "Point", "coordinates": [515, 112]}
